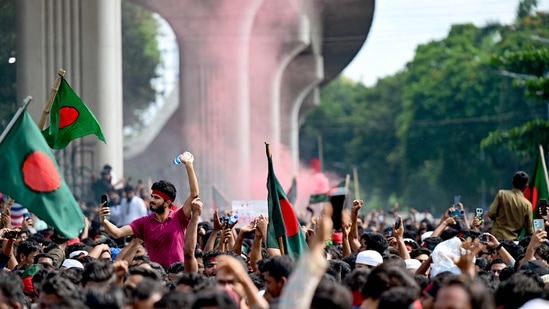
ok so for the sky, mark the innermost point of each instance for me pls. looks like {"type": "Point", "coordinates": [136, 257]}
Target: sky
{"type": "Point", "coordinates": [399, 26]}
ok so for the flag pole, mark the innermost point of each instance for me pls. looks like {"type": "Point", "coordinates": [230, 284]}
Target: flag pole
{"type": "Point", "coordinates": [544, 166]}
{"type": "Point", "coordinates": [281, 245]}
{"type": "Point", "coordinates": [53, 93]}
{"type": "Point", "coordinates": [355, 181]}
{"type": "Point", "coordinates": [26, 102]}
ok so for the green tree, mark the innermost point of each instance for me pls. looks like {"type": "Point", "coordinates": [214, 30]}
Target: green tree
{"type": "Point", "coordinates": [140, 57]}
{"type": "Point", "coordinates": [528, 65]}
{"type": "Point", "coordinates": [8, 103]}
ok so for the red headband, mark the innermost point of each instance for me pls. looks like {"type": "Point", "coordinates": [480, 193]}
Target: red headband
{"type": "Point", "coordinates": [162, 195]}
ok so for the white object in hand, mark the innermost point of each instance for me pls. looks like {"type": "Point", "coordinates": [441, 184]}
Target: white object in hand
{"type": "Point", "coordinates": [186, 156]}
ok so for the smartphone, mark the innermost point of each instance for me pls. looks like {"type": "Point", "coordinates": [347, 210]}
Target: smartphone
{"type": "Point", "coordinates": [338, 201]}
{"type": "Point", "coordinates": [12, 234]}
{"type": "Point", "coordinates": [479, 212]}
{"type": "Point", "coordinates": [484, 238]}
{"type": "Point", "coordinates": [398, 223]}
{"type": "Point", "coordinates": [539, 224]}
{"type": "Point", "coordinates": [105, 203]}
{"type": "Point", "coordinates": [543, 207]}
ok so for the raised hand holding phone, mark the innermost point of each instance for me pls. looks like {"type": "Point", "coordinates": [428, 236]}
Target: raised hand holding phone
{"type": "Point", "coordinates": [105, 211]}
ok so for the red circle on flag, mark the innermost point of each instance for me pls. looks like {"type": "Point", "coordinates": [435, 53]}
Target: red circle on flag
{"type": "Point", "coordinates": [67, 116]}
{"type": "Point", "coordinates": [40, 173]}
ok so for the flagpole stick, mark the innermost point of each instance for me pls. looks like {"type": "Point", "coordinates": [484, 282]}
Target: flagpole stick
{"type": "Point", "coordinates": [544, 166]}
{"type": "Point", "coordinates": [268, 150]}
{"type": "Point", "coordinates": [355, 181]}
{"type": "Point", "coordinates": [281, 245]}
{"type": "Point", "coordinates": [26, 102]}
{"type": "Point", "coordinates": [53, 92]}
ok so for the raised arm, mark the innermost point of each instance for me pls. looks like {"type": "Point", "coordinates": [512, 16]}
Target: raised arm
{"type": "Point", "coordinates": [191, 265]}
{"type": "Point", "coordinates": [193, 183]}
{"type": "Point", "coordinates": [113, 230]}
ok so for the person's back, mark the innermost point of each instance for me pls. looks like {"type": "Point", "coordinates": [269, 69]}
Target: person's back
{"type": "Point", "coordinates": [511, 211]}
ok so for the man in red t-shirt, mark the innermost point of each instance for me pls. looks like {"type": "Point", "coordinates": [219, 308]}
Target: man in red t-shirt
{"type": "Point", "coordinates": [163, 231]}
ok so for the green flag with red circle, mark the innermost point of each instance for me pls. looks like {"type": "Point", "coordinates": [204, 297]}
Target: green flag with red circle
{"type": "Point", "coordinates": [283, 227]}
{"type": "Point", "coordinates": [30, 175]}
{"type": "Point", "coordinates": [70, 119]}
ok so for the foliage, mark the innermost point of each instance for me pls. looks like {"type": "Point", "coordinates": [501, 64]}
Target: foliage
{"type": "Point", "coordinates": [140, 56]}
{"type": "Point", "coordinates": [8, 103]}
{"type": "Point", "coordinates": [417, 134]}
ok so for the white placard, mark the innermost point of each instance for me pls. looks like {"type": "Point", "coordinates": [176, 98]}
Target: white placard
{"type": "Point", "coordinates": [249, 210]}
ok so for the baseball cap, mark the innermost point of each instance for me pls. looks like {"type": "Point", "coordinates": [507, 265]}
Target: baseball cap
{"type": "Point", "coordinates": [70, 263]}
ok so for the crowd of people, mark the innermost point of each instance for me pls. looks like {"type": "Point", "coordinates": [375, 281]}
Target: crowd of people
{"type": "Point", "coordinates": [154, 254]}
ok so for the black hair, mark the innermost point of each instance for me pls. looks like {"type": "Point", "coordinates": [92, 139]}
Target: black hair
{"type": "Point", "coordinates": [375, 241]}
{"type": "Point", "coordinates": [514, 250]}
{"type": "Point", "coordinates": [147, 287]}
{"type": "Point", "coordinates": [520, 180]}
{"type": "Point", "coordinates": [338, 269]}
{"type": "Point", "coordinates": [97, 297]}
{"type": "Point", "coordinates": [278, 266]}
{"type": "Point", "coordinates": [482, 263]}
{"type": "Point", "coordinates": [161, 271]}
{"type": "Point", "coordinates": [62, 287]}
{"type": "Point", "coordinates": [97, 271]}
{"type": "Point", "coordinates": [491, 282]}
{"type": "Point", "coordinates": [386, 276]}
{"type": "Point", "coordinates": [421, 280]}
{"type": "Point", "coordinates": [257, 280]}
{"type": "Point", "coordinates": [517, 290]}
{"type": "Point", "coordinates": [214, 297]}
{"type": "Point", "coordinates": [165, 187]}
{"type": "Point", "coordinates": [27, 247]}
{"type": "Point", "coordinates": [330, 294]}
{"type": "Point", "coordinates": [196, 281]}
{"type": "Point", "coordinates": [479, 296]}
{"type": "Point", "coordinates": [74, 274]}
{"type": "Point", "coordinates": [397, 298]}
{"type": "Point", "coordinates": [496, 261]}
{"type": "Point", "coordinates": [145, 272]}
{"type": "Point", "coordinates": [431, 242]}
{"type": "Point", "coordinates": [43, 255]}
{"type": "Point", "coordinates": [12, 288]}
{"type": "Point", "coordinates": [176, 267]}
{"type": "Point", "coordinates": [356, 279]}
{"type": "Point", "coordinates": [175, 300]}
{"type": "Point", "coordinates": [417, 252]}
{"type": "Point", "coordinates": [506, 273]}
{"type": "Point", "coordinates": [350, 259]}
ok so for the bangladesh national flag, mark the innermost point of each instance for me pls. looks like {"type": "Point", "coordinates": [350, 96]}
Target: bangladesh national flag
{"type": "Point", "coordinates": [283, 223]}
{"type": "Point", "coordinates": [30, 176]}
{"type": "Point", "coordinates": [537, 186]}
{"type": "Point", "coordinates": [219, 201]}
{"type": "Point", "coordinates": [70, 119]}
{"type": "Point", "coordinates": [336, 190]}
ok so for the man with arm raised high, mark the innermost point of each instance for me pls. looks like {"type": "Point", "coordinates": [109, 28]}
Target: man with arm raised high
{"type": "Point", "coordinates": [163, 231]}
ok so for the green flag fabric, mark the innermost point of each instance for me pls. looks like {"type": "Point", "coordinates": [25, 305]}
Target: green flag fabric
{"type": "Point", "coordinates": [31, 177]}
{"type": "Point", "coordinates": [292, 192]}
{"type": "Point", "coordinates": [283, 223]}
{"type": "Point", "coordinates": [537, 186]}
{"type": "Point", "coordinates": [336, 190]}
{"type": "Point", "coordinates": [70, 119]}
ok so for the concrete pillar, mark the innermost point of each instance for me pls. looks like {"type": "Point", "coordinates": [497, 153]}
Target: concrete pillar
{"type": "Point", "coordinates": [303, 75]}
{"type": "Point", "coordinates": [101, 36]}
{"type": "Point", "coordinates": [213, 120]}
{"type": "Point", "coordinates": [279, 33]}
{"type": "Point", "coordinates": [84, 38]}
